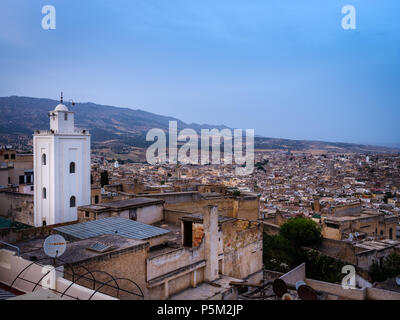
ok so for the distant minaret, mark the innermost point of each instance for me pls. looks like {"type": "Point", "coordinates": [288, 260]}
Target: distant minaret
{"type": "Point", "coordinates": [62, 169]}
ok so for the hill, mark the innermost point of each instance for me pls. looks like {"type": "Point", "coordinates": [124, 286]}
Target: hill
{"type": "Point", "coordinates": [124, 128]}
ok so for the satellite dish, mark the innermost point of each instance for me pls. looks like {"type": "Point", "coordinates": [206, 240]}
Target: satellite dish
{"type": "Point", "coordinates": [54, 245]}
{"type": "Point", "coordinates": [351, 237]}
{"type": "Point", "coordinates": [305, 292]}
{"type": "Point", "coordinates": [300, 283]}
{"type": "Point", "coordinates": [279, 287]}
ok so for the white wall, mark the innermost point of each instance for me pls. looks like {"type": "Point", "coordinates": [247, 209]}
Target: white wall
{"type": "Point", "coordinates": [59, 125]}
{"type": "Point", "coordinates": [151, 214]}
{"type": "Point", "coordinates": [11, 265]}
{"type": "Point", "coordinates": [42, 145]}
{"type": "Point", "coordinates": [60, 184]}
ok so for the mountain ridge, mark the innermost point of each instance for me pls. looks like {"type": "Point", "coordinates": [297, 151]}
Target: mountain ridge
{"type": "Point", "coordinates": [126, 127]}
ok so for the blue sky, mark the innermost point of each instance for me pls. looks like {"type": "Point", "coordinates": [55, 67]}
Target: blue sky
{"type": "Point", "coordinates": [283, 67]}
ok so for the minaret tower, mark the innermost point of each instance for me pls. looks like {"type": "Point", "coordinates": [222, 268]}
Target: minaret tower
{"type": "Point", "coordinates": [61, 160]}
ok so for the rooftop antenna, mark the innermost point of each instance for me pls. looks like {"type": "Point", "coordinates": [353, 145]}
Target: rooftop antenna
{"type": "Point", "coordinates": [71, 102]}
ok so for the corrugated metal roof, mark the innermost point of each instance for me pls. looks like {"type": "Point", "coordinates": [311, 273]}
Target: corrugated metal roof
{"type": "Point", "coordinates": [6, 294]}
{"type": "Point", "coordinates": [114, 225]}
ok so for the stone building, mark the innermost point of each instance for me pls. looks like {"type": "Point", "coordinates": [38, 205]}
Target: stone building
{"type": "Point", "coordinates": [349, 221]}
{"type": "Point", "coordinates": [199, 256]}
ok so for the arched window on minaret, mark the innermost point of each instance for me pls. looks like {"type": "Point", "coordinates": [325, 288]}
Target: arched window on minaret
{"type": "Point", "coordinates": [44, 159]}
{"type": "Point", "coordinates": [72, 202]}
{"type": "Point", "coordinates": [44, 195]}
{"type": "Point", "coordinates": [72, 167]}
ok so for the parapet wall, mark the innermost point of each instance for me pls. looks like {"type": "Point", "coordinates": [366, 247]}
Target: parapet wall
{"type": "Point", "coordinates": [346, 210]}
{"type": "Point", "coordinates": [17, 207]}
{"type": "Point", "coordinates": [12, 236]}
{"type": "Point", "coordinates": [338, 249]}
{"type": "Point", "coordinates": [11, 265]}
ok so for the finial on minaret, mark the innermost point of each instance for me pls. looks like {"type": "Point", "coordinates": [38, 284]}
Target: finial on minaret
{"type": "Point", "coordinates": [61, 100]}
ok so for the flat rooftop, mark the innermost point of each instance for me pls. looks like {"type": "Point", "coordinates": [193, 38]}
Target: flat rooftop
{"type": "Point", "coordinates": [359, 216]}
{"type": "Point", "coordinates": [198, 218]}
{"type": "Point", "coordinates": [78, 251]}
{"type": "Point", "coordinates": [377, 245]}
{"type": "Point", "coordinates": [123, 204]}
{"type": "Point", "coordinates": [174, 239]}
{"type": "Point", "coordinates": [205, 291]}
{"type": "Point", "coordinates": [113, 225]}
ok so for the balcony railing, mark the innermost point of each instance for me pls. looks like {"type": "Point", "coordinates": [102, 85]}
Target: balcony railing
{"type": "Point", "coordinates": [51, 132]}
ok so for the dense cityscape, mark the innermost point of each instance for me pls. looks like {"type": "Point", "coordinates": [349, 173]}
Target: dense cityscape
{"type": "Point", "coordinates": [182, 231]}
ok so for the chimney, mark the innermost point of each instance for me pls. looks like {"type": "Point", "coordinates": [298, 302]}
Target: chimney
{"type": "Point", "coordinates": [210, 224]}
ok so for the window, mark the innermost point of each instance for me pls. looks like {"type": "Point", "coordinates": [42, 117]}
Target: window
{"type": "Point", "coordinates": [65, 116]}
{"type": "Point", "coordinates": [44, 223]}
{"type": "Point", "coordinates": [6, 156]}
{"type": "Point", "coordinates": [13, 156]}
{"type": "Point", "coordinates": [87, 214]}
{"type": "Point", "coordinates": [44, 193]}
{"type": "Point", "coordinates": [72, 167]}
{"type": "Point", "coordinates": [29, 179]}
{"type": "Point", "coordinates": [44, 159]}
{"type": "Point", "coordinates": [72, 202]}
{"type": "Point", "coordinates": [31, 188]}
{"type": "Point", "coordinates": [391, 234]}
{"type": "Point", "coordinates": [332, 225]}
{"type": "Point", "coordinates": [96, 199]}
{"type": "Point", "coordinates": [21, 179]}
{"type": "Point", "coordinates": [187, 233]}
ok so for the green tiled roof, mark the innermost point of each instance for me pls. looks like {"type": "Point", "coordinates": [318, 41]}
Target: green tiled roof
{"type": "Point", "coordinates": [5, 223]}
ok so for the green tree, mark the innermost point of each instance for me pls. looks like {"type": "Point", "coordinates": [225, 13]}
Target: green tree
{"type": "Point", "coordinates": [236, 193]}
{"type": "Point", "coordinates": [392, 265]}
{"type": "Point", "coordinates": [301, 232]}
{"type": "Point", "coordinates": [387, 196]}
{"type": "Point", "coordinates": [321, 267]}
{"type": "Point", "coordinates": [377, 273]}
{"type": "Point", "coordinates": [278, 253]}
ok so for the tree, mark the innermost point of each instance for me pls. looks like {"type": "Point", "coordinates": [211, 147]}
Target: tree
{"type": "Point", "coordinates": [236, 193]}
{"type": "Point", "coordinates": [278, 254]}
{"type": "Point", "coordinates": [387, 196]}
{"type": "Point", "coordinates": [104, 178]}
{"type": "Point", "coordinates": [301, 232]}
{"type": "Point", "coordinates": [392, 264]}
{"type": "Point", "coordinates": [390, 268]}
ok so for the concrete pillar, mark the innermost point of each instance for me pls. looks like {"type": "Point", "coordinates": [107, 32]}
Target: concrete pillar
{"type": "Point", "coordinates": [166, 290]}
{"type": "Point", "coordinates": [210, 223]}
{"type": "Point", "coordinates": [193, 279]}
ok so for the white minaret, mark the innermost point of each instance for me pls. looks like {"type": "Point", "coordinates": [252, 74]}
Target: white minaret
{"type": "Point", "coordinates": [61, 161]}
